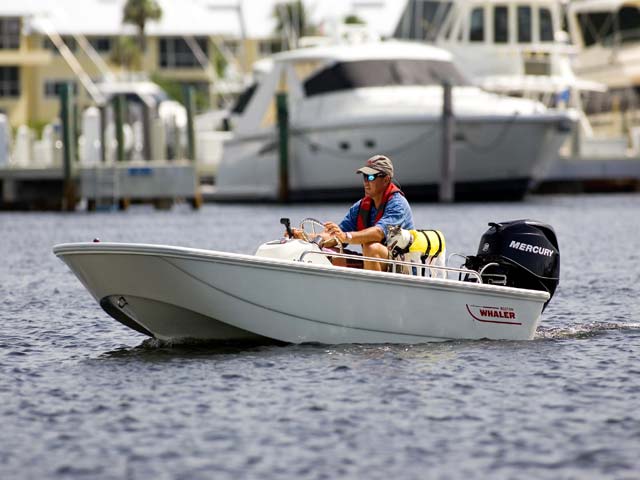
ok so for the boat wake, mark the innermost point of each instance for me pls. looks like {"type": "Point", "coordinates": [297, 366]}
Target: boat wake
{"type": "Point", "coordinates": [185, 347]}
{"type": "Point", "coordinates": [585, 330]}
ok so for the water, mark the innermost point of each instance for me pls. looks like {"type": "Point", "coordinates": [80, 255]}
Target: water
{"type": "Point", "coordinates": [81, 396]}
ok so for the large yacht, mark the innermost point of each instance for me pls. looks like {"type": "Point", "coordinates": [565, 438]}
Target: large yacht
{"type": "Point", "coordinates": [512, 47]}
{"type": "Point", "coordinates": [348, 102]}
{"type": "Point", "coordinates": [607, 33]}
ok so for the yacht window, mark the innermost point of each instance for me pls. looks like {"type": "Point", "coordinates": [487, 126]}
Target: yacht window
{"type": "Point", "coordinates": [524, 24]}
{"type": "Point", "coordinates": [406, 27]}
{"type": "Point", "coordinates": [596, 27]}
{"type": "Point", "coordinates": [380, 73]}
{"type": "Point", "coordinates": [304, 68]}
{"type": "Point", "coordinates": [629, 24]}
{"type": "Point", "coordinates": [546, 25]}
{"type": "Point", "coordinates": [434, 16]}
{"type": "Point", "coordinates": [423, 19]}
{"type": "Point", "coordinates": [500, 24]}
{"type": "Point", "coordinates": [243, 99]}
{"type": "Point", "coordinates": [476, 31]}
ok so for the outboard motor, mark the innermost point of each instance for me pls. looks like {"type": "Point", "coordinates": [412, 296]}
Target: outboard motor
{"type": "Point", "coordinates": [520, 254]}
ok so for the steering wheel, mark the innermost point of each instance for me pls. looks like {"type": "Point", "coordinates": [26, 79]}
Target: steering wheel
{"type": "Point", "coordinates": [312, 224]}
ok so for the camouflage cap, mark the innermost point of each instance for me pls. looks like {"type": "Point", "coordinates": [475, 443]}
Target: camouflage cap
{"type": "Point", "coordinates": [377, 164]}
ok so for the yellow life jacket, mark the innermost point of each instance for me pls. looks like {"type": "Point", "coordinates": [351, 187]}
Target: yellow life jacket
{"type": "Point", "coordinates": [430, 243]}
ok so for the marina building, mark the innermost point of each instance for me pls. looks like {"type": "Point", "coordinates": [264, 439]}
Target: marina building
{"type": "Point", "coordinates": [207, 44]}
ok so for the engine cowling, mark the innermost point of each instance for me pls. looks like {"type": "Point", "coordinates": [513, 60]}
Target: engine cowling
{"type": "Point", "coordinates": [525, 254]}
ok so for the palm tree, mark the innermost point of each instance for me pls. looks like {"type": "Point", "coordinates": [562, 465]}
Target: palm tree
{"type": "Point", "coordinates": [138, 12]}
{"type": "Point", "coordinates": [292, 21]}
{"type": "Point", "coordinates": [353, 19]}
{"type": "Point", "coordinates": [126, 53]}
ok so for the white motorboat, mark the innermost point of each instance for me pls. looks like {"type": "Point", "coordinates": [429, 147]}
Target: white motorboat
{"type": "Point", "coordinates": [348, 102]}
{"type": "Point", "coordinates": [289, 291]}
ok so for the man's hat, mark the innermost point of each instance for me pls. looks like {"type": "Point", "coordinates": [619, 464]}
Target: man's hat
{"type": "Point", "coordinates": [377, 164]}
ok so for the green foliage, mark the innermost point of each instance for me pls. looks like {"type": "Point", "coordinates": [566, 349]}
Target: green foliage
{"type": "Point", "coordinates": [353, 19]}
{"type": "Point", "coordinates": [175, 91]}
{"type": "Point", "coordinates": [139, 12]}
{"type": "Point", "coordinates": [219, 62]}
{"type": "Point", "coordinates": [126, 53]}
{"type": "Point", "coordinates": [37, 126]}
{"type": "Point", "coordinates": [293, 18]}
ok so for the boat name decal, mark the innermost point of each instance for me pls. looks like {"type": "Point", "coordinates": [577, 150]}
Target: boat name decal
{"type": "Point", "coordinates": [525, 247]}
{"type": "Point", "coordinates": [503, 315]}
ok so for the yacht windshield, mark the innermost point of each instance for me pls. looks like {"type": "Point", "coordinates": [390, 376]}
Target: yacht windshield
{"type": "Point", "coordinates": [382, 73]}
{"type": "Point", "coordinates": [243, 99]}
{"type": "Point", "coordinates": [610, 28]}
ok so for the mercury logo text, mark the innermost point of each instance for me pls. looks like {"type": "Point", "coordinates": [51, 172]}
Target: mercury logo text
{"type": "Point", "coordinates": [525, 247]}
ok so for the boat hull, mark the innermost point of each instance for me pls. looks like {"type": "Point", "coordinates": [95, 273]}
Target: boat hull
{"type": "Point", "coordinates": [496, 158]}
{"type": "Point", "coordinates": [175, 293]}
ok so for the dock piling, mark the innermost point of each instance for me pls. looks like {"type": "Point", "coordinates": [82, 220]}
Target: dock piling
{"type": "Point", "coordinates": [69, 197]}
{"type": "Point", "coordinates": [446, 193]}
{"type": "Point", "coordinates": [118, 114]}
{"type": "Point", "coordinates": [283, 142]}
{"type": "Point", "coordinates": [189, 103]}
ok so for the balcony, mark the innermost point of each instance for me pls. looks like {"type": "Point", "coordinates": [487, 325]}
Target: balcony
{"type": "Point", "coordinates": [24, 57]}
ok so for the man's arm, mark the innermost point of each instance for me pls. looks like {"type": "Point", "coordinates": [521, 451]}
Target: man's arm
{"type": "Point", "coordinates": [368, 235]}
{"type": "Point", "coordinates": [398, 212]}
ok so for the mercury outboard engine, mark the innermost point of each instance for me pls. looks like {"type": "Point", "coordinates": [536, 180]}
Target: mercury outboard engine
{"type": "Point", "coordinates": [520, 254]}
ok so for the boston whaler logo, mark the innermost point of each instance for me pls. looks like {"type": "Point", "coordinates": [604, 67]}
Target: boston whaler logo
{"type": "Point", "coordinates": [485, 314]}
{"type": "Point", "coordinates": [525, 247]}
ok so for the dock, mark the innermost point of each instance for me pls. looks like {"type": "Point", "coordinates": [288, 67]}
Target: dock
{"type": "Point", "coordinates": [161, 183]}
{"type": "Point", "coordinates": [165, 183]}
{"type": "Point", "coordinates": [592, 175]}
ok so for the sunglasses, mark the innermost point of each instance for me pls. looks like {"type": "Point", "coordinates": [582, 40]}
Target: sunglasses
{"type": "Point", "coordinates": [370, 178]}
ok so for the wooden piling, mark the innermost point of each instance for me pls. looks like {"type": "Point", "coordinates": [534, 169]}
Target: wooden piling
{"type": "Point", "coordinates": [69, 195]}
{"type": "Point", "coordinates": [446, 193]}
{"type": "Point", "coordinates": [189, 103]}
{"type": "Point", "coordinates": [118, 114]}
{"type": "Point", "coordinates": [283, 142]}
{"type": "Point", "coordinates": [103, 136]}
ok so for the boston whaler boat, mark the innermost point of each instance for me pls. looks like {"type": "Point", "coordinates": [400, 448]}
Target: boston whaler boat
{"type": "Point", "coordinates": [289, 291]}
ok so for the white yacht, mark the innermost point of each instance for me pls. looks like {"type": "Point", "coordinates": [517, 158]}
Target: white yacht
{"type": "Point", "coordinates": [347, 102]}
{"type": "Point", "coordinates": [512, 47]}
{"type": "Point", "coordinates": [607, 33]}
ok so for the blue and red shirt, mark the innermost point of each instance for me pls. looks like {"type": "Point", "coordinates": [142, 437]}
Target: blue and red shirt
{"type": "Point", "coordinates": [396, 212]}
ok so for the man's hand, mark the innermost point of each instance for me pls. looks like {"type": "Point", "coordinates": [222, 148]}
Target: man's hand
{"type": "Point", "coordinates": [333, 230]}
{"type": "Point", "coordinates": [297, 233]}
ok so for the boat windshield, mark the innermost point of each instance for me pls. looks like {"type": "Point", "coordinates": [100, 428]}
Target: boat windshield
{"type": "Point", "coordinates": [610, 28]}
{"type": "Point", "coordinates": [243, 99]}
{"type": "Point", "coordinates": [382, 73]}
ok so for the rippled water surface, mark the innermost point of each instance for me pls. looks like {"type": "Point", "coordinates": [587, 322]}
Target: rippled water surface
{"type": "Point", "coordinates": [81, 396]}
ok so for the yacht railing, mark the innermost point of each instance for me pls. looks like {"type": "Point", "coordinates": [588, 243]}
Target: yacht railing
{"type": "Point", "coordinates": [394, 263]}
